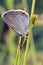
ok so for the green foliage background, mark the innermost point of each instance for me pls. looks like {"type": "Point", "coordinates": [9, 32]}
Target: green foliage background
{"type": "Point", "coordinates": [9, 38]}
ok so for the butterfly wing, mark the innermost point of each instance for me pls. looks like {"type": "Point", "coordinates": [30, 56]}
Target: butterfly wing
{"type": "Point", "coordinates": [17, 20]}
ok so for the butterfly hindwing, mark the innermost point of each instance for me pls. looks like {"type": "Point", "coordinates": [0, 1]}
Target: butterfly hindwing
{"type": "Point", "coordinates": [18, 20]}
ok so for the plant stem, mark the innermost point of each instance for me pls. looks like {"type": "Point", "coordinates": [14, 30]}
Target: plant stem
{"type": "Point", "coordinates": [33, 7]}
{"type": "Point", "coordinates": [19, 50]}
{"type": "Point", "coordinates": [30, 31]}
{"type": "Point", "coordinates": [18, 56]}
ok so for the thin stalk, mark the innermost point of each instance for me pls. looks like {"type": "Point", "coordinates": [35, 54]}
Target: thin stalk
{"type": "Point", "coordinates": [20, 49]}
{"type": "Point", "coordinates": [30, 31]}
{"type": "Point", "coordinates": [18, 56]}
{"type": "Point", "coordinates": [19, 53]}
{"type": "Point", "coordinates": [23, 41]}
{"type": "Point", "coordinates": [33, 7]}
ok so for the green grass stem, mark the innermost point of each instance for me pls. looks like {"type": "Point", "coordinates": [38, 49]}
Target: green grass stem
{"type": "Point", "coordinates": [30, 31]}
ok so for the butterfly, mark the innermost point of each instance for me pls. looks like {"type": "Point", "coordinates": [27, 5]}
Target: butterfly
{"type": "Point", "coordinates": [18, 20]}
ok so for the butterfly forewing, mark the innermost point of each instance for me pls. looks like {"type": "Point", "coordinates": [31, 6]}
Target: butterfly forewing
{"type": "Point", "coordinates": [18, 20]}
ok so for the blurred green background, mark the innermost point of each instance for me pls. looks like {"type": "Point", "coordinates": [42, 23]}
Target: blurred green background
{"type": "Point", "coordinates": [9, 38]}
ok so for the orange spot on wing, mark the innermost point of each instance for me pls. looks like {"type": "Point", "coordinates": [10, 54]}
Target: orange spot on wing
{"type": "Point", "coordinates": [22, 14]}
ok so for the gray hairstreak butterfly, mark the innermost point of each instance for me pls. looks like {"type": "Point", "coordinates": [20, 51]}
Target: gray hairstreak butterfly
{"type": "Point", "coordinates": [17, 20]}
